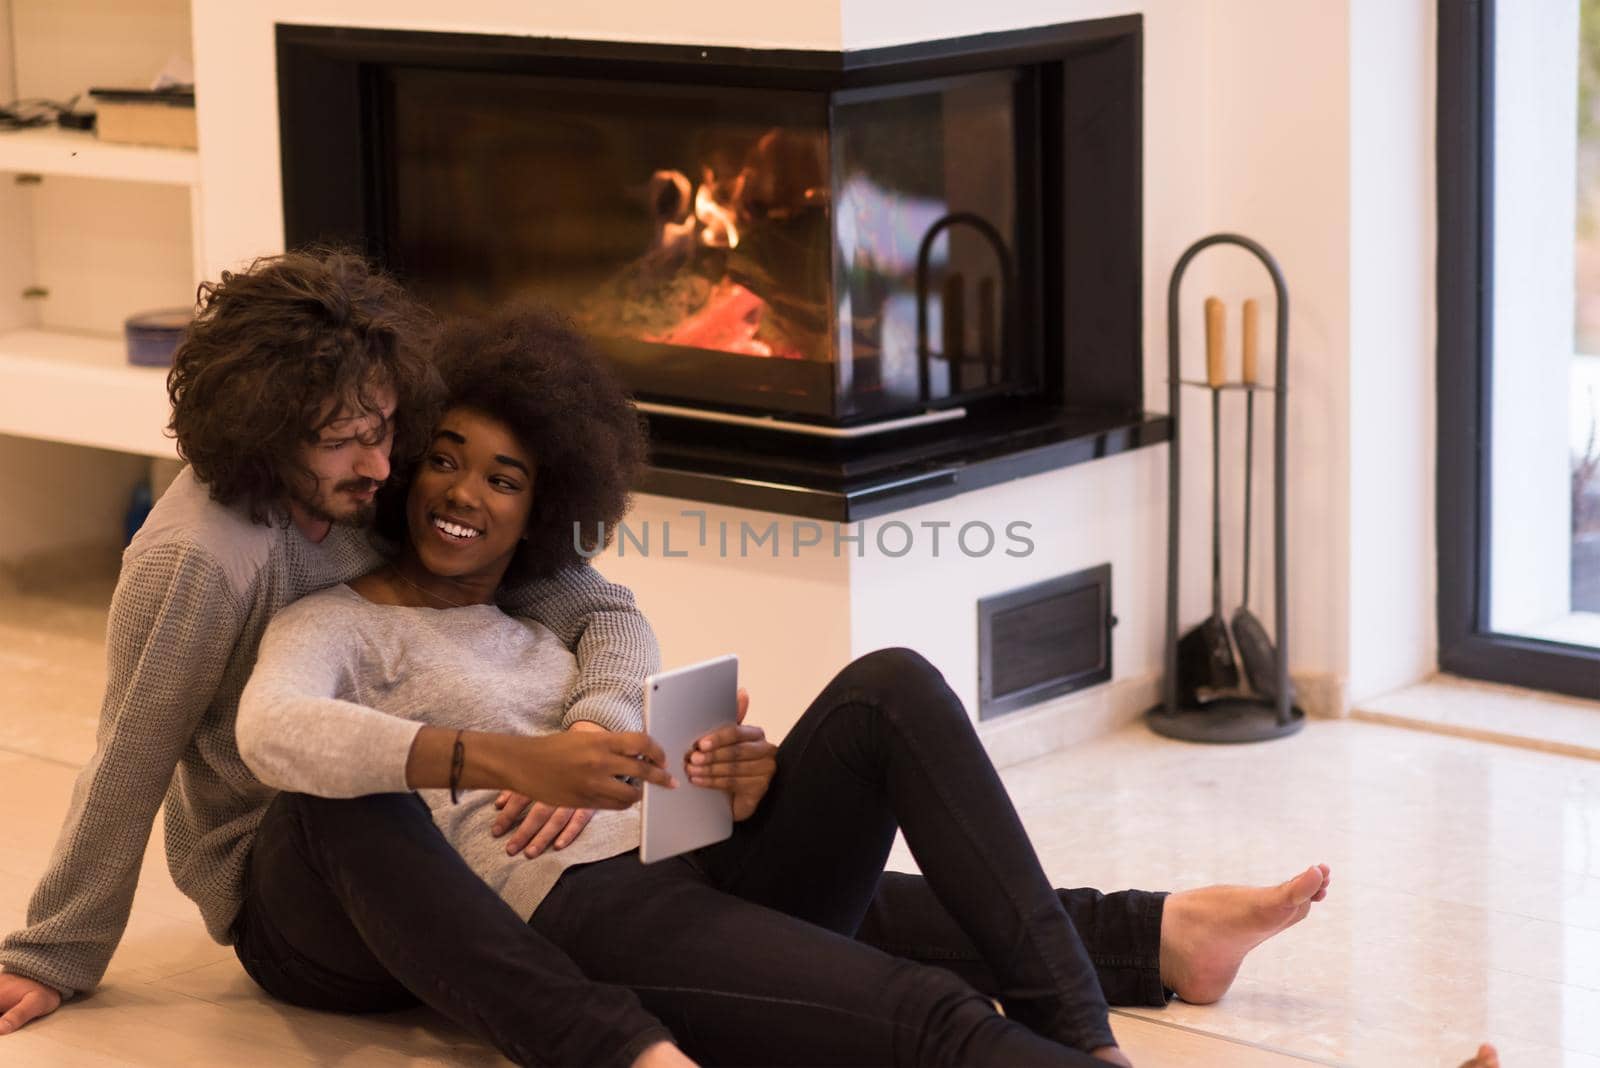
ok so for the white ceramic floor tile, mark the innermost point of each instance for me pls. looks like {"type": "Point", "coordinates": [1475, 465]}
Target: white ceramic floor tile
{"type": "Point", "coordinates": [412, 1037]}
{"type": "Point", "coordinates": [1149, 1042]}
{"type": "Point", "coordinates": [52, 663]}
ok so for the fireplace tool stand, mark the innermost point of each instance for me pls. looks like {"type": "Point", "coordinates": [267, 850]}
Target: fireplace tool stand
{"type": "Point", "coordinates": [1228, 717]}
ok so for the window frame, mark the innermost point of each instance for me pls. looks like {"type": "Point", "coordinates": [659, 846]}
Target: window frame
{"type": "Point", "coordinates": [1465, 278]}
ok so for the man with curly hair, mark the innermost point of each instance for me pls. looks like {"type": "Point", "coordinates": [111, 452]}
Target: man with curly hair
{"type": "Point", "coordinates": [299, 383]}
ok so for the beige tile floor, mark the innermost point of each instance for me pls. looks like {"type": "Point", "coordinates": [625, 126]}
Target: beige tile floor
{"type": "Point", "coordinates": [1465, 906]}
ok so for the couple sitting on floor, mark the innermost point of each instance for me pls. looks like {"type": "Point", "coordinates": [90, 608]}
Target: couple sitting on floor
{"type": "Point", "coordinates": [302, 701]}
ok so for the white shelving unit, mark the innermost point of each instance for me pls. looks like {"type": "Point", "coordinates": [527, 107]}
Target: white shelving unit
{"type": "Point", "coordinates": [77, 154]}
{"type": "Point", "coordinates": [90, 233]}
{"type": "Point", "coordinates": [79, 389]}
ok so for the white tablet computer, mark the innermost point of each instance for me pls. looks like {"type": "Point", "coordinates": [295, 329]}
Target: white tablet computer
{"type": "Point", "coordinates": [681, 707]}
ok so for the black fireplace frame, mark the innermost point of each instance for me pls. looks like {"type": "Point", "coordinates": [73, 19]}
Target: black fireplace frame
{"type": "Point", "coordinates": [1092, 373]}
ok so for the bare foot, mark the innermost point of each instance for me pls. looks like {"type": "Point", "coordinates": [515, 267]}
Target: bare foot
{"type": "Point", "coordinates": [1486, 1058]}
{"type": "Point", "coordinates": [1206, 933]}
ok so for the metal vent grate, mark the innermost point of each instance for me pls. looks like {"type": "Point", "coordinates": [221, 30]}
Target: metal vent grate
{"type": "Point", "coordinates": [1044, 640]}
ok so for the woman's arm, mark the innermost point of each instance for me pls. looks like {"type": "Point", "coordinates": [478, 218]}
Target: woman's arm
{"type": "Point", "coordinates": [294, 734]}
{"type": "Point", "coordinates": [581, 769]}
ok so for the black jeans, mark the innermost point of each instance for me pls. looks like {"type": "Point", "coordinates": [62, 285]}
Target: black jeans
{"type": "Point", "coordinates": [361, 905]}
{"type": "Point", "coordinates": [785, 944]}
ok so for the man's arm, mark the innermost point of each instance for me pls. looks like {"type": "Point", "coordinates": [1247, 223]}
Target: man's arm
{"type": "Point", "coordinates": [601, 624]}
{"type": "Point", "coordinates": [174, 622]}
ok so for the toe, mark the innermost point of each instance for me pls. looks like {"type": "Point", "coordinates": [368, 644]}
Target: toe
{"type": "Point", "coordinates": [1304, 887]}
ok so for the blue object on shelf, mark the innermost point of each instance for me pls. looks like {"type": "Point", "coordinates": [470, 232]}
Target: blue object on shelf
{"type": "Point", "coordinates": [139, 505]}
{"type": "Point", "coordinates": [155, 335]}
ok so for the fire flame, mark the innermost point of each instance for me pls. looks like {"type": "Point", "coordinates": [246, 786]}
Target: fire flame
{"type": "Point", "coordinates": [717, 224]}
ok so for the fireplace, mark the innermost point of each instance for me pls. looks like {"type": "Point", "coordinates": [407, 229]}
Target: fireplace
{"type": "Point", "coordinates": [758, 250]}
{"type": "Point", "coordinates": [832, 265]}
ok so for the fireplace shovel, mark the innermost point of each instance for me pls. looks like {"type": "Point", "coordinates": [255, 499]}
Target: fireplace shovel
{"type": "Point", "coordinates": [1205, 657]}
{"type": "Point", "coordinates": [1256, 653]}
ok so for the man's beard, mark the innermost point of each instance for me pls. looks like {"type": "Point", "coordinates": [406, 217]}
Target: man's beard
{"type": "Point", "coordinates": [362, 515]}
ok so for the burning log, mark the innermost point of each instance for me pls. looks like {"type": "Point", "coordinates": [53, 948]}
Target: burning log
{"type": "Point", "coordinates": [738, 263]}
{"type": "Point", "coordinates": [729, 322]}
{"type": "Point", "coordinates": [671, 200]}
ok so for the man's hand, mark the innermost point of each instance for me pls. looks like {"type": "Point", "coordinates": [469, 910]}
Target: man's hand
{"type": "Point", "coordinates": [738, 760]}
{"type": "Point", "coordinates": [1111, 1055]}
{"type": "Point", "coordinates": [542, 825]}
{"type": "Point", "coordinates": [22, 999]}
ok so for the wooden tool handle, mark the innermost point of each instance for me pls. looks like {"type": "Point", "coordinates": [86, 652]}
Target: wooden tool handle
{"type": "Point", "coordinates": [1252, 322]}
{"type": "Point", "coordinates": [1215, 321]}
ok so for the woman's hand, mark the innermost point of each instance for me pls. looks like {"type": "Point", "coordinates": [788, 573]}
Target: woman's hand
{"type": "Point", "coordinates": [542, 825]}
{"type": "Point", "coordinates": [738, 760]}
{"type": "Point", "coordinates": [581, 769]}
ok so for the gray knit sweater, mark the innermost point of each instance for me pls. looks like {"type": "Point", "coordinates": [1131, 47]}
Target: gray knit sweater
{"type": "Point", "coordinates": [199, 585]}
{"type": "Point", "coordinates": [342, 685]}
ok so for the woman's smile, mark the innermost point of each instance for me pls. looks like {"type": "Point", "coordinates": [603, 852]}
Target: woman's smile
{"type": "Point", "coordinates": [454, 530]}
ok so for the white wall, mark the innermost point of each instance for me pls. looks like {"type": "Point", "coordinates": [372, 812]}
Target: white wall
{"type": "Point", "coordinates": [787, 617]}
{"type": "Point", "coordinates": [796, 618]}
{"type": "Point", "coordinates": [71, 45]}
{"type": "Point", "coordinates": [1279, 159]}
{"type": "Point", "coordinates": [1391, 621]}
{"type": "Point", "coordinates": [1077, 518]}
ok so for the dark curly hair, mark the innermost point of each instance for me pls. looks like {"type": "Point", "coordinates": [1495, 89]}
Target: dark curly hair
{"type": "Point", "coordinates": [271, 346]}
{"type": "Point", "coordinates": [532, 371]}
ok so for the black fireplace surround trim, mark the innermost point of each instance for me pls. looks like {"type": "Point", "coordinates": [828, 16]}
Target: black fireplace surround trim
{"type": "Point", "coordinates": [990, 451]}
{"type": "Point", "coordinates": [773, 68]}
{"type": "Point", "coordinates": [1092, 405]}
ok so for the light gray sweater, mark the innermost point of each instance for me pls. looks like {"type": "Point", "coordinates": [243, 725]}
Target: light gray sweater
{"type": "Point", "coordinates": [199, 585]}
{"type": "Point", "coordinates": [343, 685]}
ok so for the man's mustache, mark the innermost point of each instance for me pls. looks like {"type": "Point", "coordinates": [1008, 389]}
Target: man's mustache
{"type": "Point", "coordinates": [358, 485]}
